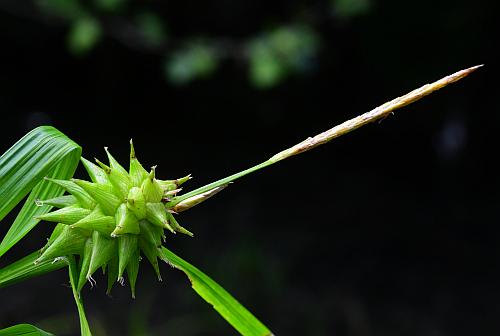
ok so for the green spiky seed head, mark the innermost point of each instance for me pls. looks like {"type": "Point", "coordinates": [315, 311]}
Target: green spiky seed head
{"type": "Point", "coordinates": [110, 221]}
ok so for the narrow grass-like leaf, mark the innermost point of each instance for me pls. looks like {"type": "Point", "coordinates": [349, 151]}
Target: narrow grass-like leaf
{"type": "Point", "coordinates": [73, 279]}
{"type": "Point", "coordinates": [44, 151]}
{"type": "Point", "coordinates": [227, 306]}
{"type": "Point", "coordinates": [25, 268]}
{"type": "Point", "coordinates": [24, 330]}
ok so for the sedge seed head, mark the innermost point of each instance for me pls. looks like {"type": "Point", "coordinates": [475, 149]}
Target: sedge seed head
{"type": "Point", "coordinates": [111, 220]}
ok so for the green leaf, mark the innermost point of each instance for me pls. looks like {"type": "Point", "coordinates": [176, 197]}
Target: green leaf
{"type": "Point", "coordinates": [73, 279]}
{"type": "Point", "coordinates": [227, 306]}
{"type": "Point", "coordinates": [24, 330]}
{"type": "Point", "coordinates": [44, 151]}
{"type": "Point", "coordinates": [25, 268]}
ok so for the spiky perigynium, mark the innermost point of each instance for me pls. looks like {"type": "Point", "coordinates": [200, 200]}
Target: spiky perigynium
{"type": "Point", "coordinates": [112, 220]}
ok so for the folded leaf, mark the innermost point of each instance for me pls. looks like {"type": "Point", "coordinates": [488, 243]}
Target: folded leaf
{"type": "Point", "coordinates": [44, 151]}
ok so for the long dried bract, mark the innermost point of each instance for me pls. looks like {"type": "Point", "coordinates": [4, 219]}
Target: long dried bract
{"type": "Point", "coordinates": [377, 113]}
{"type": "Point", "coordinates": [350, 125]}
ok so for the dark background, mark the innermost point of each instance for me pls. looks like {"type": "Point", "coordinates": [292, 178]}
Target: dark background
{"type": "Point", "coordinates": [390, 230]}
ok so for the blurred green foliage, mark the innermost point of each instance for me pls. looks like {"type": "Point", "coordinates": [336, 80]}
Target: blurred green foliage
{"type": "Point", "coordinates": [65, 9]}
{"type": "Point", "coordinates": [271, 56]}
{"type": "Point", "coordinates": [350, 8]}
{"type": "Point", "coordinates": [109, 5]}
{"type": "Point", "coordinates": [196, 60]}
{"type": "Point", "coordinates": [83, 35]}
{"type": "Point", "coordinates": [152, 28]}
{"type": "Point", "coordinates": [280, 52]}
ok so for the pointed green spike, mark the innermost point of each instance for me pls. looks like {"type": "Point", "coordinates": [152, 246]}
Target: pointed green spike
{"type": "Point", "coordinates": [197, 199]}
{"type": "Point", "coordinates": [68, 215]}
{"type": "Point", "coordinates": [114, 164]}
{"type": "Point", "coordinates": [56, 233]}
{"type": "Point", "coordinates": [181, 180]}
{"type": "Point", "coordinates": [136, 170]}
{"type": "Point", "coordinates": [175, 225]}
{"type": "Point", "coordinates": [152, 234]}
{"type": "Point", "coordinates": [151, 253]}
{"type": "Point", "coordinates": [102, 193]}
{"type": "Point", "coordinates": [120, 181]}
{"type": "Point", "coordinates": [133, 270]}
{"type": "Point", "coordinates": [169, 185]}
{"type": "Point", "coordinates": [136, 202]}
{"type": "Point", "coordinates": [58, 202]}
{"type": "Point", "coordinates": [103, 166]}
{"type": "Point", "coordinates": [84, 265]}
{"type": "Point", "coordinates": [102, 251]}
{"type": "Point", "coordinates": [171, 193]}
{"type": "Point", "coordinates": [112, 274]}
{"type": "Point", "coordinates": [132, 150]}
{"type": "Point", "coordinates": [126, 222]}
{"type": "Point", "coordinates": [84, 199]}
{"type": "Point", "coordinates": [96, 174]}
{"type": "Point", "coordinates": [157, 215]}
{"type": "Point", "coordinates": [127, 245]}
{"type": "Point", "coordinates": [69, 241]}
{"type": "Point", "coordinates": [151, 188]}
{"type": "Point", "coordinates": [98, 221]}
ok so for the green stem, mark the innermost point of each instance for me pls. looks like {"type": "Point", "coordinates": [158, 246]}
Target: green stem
{"type": "Point", "coordinates": [348, 126]}
{"type": "Point", "coordinates": [73, 279]}
{"type": "Point", "coordinates": [220, 182]}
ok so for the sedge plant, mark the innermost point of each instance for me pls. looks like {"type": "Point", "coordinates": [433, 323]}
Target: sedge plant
{"type": "Point", "coordinates": [121, 214]}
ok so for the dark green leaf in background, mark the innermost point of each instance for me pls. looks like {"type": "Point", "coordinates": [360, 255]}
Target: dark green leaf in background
{"type": "Point", "coordinates": [152, 28]}
{"type": "Point", "coordinates": [280, 52]}
{"type": "Point", "coordinates": [83, 35]}
{"type": "Point", "coordinates": [109, 5]}
{"type": "Point", "coordinates": [197, 60]}
{"type": "Point", "coordinates": [346, 9]}
{"type": "Point", "coordinates": [65, 9]}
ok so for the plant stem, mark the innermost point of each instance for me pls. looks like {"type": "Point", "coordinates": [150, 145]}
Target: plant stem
{"type": "Point", "coordinates": [350, 125]}
{"type": "Point", "coordinates": [73, 279]}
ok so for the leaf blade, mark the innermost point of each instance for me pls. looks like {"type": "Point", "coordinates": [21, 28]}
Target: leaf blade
{"type": "Point", "coordinates": [24, 330]}
{"type": "Point", "coordinates": [25, 268]}
{"type": "Point", "coordinates": [43, 151]}
{"type": "Point", "coordinates": [226, 305]}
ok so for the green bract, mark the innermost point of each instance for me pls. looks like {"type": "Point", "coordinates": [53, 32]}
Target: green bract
{"type": "Point", "coordinates": [110, 221]}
